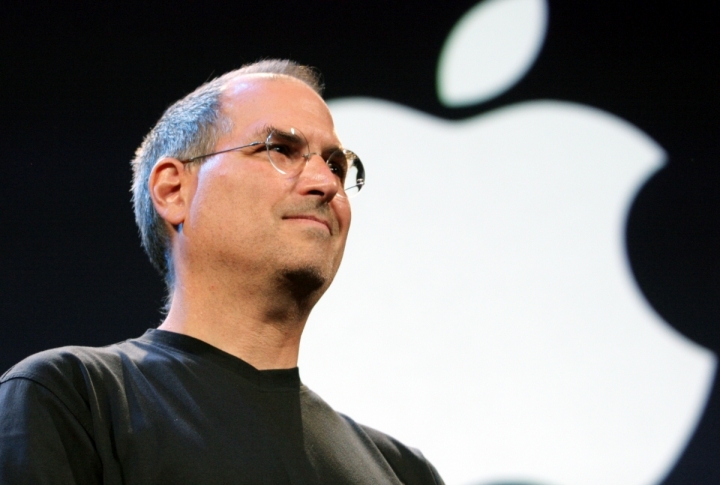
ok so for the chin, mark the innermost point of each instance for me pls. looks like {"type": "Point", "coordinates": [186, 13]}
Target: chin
{"type": "Point", "coordinates": [305, 282]}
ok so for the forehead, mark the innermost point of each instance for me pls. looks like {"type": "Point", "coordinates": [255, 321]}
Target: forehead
{"type": "Point", "coordinates": [256, 101]}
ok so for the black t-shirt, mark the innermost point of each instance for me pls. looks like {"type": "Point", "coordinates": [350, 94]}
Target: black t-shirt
{"type": "Point", "coordinates": [170, 409]}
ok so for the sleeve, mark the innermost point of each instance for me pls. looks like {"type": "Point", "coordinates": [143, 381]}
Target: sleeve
{"type": "Point", "coordinates": [42, 440]}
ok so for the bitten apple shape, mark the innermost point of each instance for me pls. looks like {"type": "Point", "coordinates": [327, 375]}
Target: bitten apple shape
{"type": "Point", "coordinates": [485, 311]}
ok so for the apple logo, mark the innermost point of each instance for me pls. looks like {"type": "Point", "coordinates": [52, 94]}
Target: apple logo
{"type": "Point", "coordinates": [485, 311]}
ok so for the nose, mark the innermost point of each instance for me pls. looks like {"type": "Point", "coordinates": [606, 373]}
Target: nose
{"type": "Point", "coordinates": [317, 178]}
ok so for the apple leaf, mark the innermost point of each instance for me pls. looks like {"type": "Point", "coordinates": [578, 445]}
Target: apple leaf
{"type": "Point", "coordinates": [490, 49]}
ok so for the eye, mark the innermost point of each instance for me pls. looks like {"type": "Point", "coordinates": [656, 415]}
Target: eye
{"type": "Point", "coordinates": [338, 164]}
{"type": "Point", "coordinates": [284, 149]}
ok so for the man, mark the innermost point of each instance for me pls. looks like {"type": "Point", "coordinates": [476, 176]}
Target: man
{"type": "Point", "coordinates": [241, 196]}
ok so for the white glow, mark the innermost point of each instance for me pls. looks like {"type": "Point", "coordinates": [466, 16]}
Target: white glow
{"type": "Point", "coordinates": [490, 49]}
{"type": "Point", "coordinates": [484, 311]}
{"type": "Point", "coordinates": [498, 328]}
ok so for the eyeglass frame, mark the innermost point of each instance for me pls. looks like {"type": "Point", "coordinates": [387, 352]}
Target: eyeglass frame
{"type": "Point", "coordinates": [360, 180]}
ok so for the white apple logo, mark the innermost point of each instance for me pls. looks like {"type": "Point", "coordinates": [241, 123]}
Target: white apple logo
{"type": "Point", "coordinates": [485, 312]}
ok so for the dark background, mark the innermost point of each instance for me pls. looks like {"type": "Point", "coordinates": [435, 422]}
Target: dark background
{"type": "Point", "coordinates": [82, 82]}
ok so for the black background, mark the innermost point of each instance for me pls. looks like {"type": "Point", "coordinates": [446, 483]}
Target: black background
{"type": "Point", "coordinates": [82, 82]}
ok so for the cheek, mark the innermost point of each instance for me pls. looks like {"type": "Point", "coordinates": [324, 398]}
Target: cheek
{"type": "Point", "coordinates": [341, 207]}
{"type": "Point", "coordinates": [217, 203]}
{"type": "Point", "coordinates": [232, 202]}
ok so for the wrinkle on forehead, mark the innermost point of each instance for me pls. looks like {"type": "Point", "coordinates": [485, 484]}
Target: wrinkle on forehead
{"type": "Point", "coordinates": [248, 92]}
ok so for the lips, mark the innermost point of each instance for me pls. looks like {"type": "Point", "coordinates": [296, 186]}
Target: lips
{"type": "Point", "coordinates": [311, 217]}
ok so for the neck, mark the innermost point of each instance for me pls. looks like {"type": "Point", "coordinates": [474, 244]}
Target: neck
{"type": "Point", "coordinates": [260, 324]}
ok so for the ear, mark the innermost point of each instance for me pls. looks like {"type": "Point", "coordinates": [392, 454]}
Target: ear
{"type": "Point", "coordinates": [171, 187]}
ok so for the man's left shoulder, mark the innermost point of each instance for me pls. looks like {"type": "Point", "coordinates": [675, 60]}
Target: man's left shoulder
{"type": "Point", "coordinates": [408, 463]}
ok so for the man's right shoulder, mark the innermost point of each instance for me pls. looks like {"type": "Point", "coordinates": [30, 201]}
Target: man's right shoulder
{"type": "Point", "coordinates": [73, 365]}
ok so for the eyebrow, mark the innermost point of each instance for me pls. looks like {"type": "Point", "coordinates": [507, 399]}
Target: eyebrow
{"type": "Point", "coordinates": [264, 131]}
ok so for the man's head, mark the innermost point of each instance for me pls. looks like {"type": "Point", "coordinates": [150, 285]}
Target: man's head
{"type": "Point", "coordinates": [236, 205]}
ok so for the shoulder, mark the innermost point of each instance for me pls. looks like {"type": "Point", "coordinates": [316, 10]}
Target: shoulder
{"type": "Point", "coordinates": [62, 361]}
{"type": "Point", "coordinates": [408, 463]}
{"type": "Point", "coordinates": [70, 367]}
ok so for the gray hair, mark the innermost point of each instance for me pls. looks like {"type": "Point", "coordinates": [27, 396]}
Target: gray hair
{"type": "Point", "coordinates": [189, 128]}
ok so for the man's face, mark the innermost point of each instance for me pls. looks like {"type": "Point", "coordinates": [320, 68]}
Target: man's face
{"type": "Point", "coordinates": [246, 219]}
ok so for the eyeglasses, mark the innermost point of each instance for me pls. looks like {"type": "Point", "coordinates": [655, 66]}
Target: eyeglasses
{"type": "Point", "coordinates": [289, 152]}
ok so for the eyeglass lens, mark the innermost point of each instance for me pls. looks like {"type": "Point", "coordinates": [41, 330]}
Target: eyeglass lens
{"type": "Point", "coordinates": [288, 152]}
